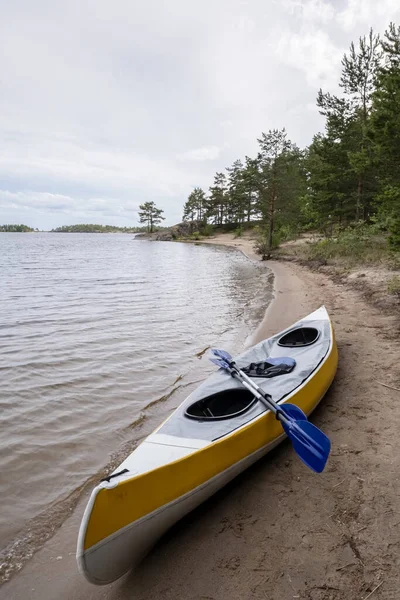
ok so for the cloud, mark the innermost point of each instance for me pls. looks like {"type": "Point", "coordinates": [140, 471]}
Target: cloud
{"type": "Point", "coordinates": [368, 13]}
{"type": "Point", "coordinates": [204, 153]}
{"type": "Point", "coordinates": [310, 11]}
{"type": "Point", "coordinates": [104, 108]}
{"type": "Point", "coordinates": [314, 54]}
{"type": "Point", "coordinates": [44, 201]}
{"type": "Point", "coordinates": [33, 199]}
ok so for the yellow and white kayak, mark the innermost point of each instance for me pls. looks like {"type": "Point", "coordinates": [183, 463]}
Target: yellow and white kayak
{"type": "Point", "coordinates": [215, 434]}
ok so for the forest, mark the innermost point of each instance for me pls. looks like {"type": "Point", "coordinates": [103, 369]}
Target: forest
{"type": "Point", "coordinates": [16, 228]}
{"type": "Point", "coordinates": [347, 178]}
{"type": "Point", "coordinates": [93, 228]}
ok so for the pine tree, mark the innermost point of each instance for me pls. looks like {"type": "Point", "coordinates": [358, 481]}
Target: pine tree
{"type": "Point", "coordinates": [251, 188]}
{"type": "Point", "coordinates": [150, 214]}
{"type": "Point", "coordinates": [189, 210]}
{"type": "Point", "coordinates": [385, 126]}
{"type": "Point", "coordinates": [332, 180]}
{"type": "Point", "coordinates": [195, 206]}
{"type": "Point", "coordinates": [293, 187]}
{"type": "Point", "coordinates": [236, 205]}
{"type": "Point", "coordinates": [217, 200]}
{"type": "Point", "coordinates": [274, 147]}
{"type": "Point", "coordinates": [358, 83]}
{"type": "Point", "coordinates": [343, 178]}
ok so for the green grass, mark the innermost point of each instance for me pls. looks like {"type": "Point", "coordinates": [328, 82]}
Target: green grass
{"type": "Point", "coordinates": [238, 232]}
{"type": "Point", "coordinates": [349, 248]}
{"type": "Point", "coordinates": [394, 285]}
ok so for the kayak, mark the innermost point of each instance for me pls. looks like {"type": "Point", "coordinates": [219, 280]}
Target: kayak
{"type": "Point", "coordinates": [217, 432]}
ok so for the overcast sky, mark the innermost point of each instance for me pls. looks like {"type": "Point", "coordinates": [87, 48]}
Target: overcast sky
{"type": "Point", "coordinates": [105, 105]}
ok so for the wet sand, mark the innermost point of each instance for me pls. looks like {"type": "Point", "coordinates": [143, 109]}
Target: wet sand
{"type": "Point", "coordinates": [279, 531]}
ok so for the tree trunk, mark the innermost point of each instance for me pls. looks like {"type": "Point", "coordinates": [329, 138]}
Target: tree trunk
{"type": "Point", "coordinates": [272, 209]}
{"type": "Point", "coordinates": [366, 206]}
{"type": "Point", "coordinates": [271, 224]}
{"type": "Point", "coordinates": [360, 186]}
{"type": "Point", "coordinates": [359, 193]}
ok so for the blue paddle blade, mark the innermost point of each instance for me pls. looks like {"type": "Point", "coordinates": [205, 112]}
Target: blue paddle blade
{"type": "Point", "coordinates": [293, 411]}
{"type": "Point", "coordinates": [222, 354]}
{"type": "Point", "coordinates": [220, 363]}
{"type": "Point", "coordinates": [310, 443]}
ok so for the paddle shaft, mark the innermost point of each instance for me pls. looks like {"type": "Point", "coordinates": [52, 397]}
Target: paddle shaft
{"type": "Point", "coordinates": [258, 392]}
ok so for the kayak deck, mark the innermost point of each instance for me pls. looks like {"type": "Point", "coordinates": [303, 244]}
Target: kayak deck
{"type": "Point", "coordinates": [307, 360]}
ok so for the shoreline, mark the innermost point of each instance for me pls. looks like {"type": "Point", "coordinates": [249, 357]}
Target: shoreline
{"type": "Point", "coordinates": [273, 319]}
{"type": "Point", "coordinates": [277, 531]}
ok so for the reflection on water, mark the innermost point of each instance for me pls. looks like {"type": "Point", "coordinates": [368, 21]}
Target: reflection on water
{"type": "Point", "coordinates": [93, 330]}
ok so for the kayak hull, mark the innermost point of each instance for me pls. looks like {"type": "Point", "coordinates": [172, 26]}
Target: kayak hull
{"type": "Point", "coordinates": [127, 547]}
{"type": "Point", "coordinates": [169, 474]}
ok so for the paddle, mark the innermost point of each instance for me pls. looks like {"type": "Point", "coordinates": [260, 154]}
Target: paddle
{"type": "Point", "coordinates": [310, 443]}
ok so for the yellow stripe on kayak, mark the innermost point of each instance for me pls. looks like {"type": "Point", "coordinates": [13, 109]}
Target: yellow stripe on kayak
{"type": "Point", "coordinates": [134, 498]}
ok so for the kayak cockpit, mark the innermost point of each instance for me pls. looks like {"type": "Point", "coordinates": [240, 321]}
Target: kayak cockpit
{"type": "Point", "coordinates": [223, 405]}
{"type": "Point", "coordinates": [301, 336]}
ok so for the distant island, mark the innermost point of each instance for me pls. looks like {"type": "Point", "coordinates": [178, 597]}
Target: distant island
{"type": "Point", "coordinates": [93, 228]}
{"type": "Point", "coordinates": [80, 228]}
{"type": "Point", "coordinates": [16, 228]}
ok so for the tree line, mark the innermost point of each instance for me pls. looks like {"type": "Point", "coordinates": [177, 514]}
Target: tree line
{"type": "Point", "coordinates": [94, 228]}
{"type": "Point", "coordinates": [349, 174]}
{"type": "Point", "coordinates": [16, 228]}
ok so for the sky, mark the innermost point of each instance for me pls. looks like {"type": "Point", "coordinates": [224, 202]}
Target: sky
{"type": "Point", "coordinates": [106, 105]}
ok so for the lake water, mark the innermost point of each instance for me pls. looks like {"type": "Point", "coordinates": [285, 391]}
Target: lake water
{"type": "Point", "coordinates": [101, 336]}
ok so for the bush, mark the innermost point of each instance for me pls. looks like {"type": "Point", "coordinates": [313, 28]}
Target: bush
{"type": "Point", "coordinates": [356, 245]}
{"type": "Point", "coordinates": [394, 237]}
{"type": "Point", "coordinates": [287, 232]}
{"type": "Point", "coordinates": [207, 230]}
{"type": "Point", "coordinates": [261, 245]}
{"type": "Point", "coordinates": [394, 286]}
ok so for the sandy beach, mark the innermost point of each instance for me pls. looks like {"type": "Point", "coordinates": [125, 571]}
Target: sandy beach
{"type": "Point", "coordinates": [279, 531]}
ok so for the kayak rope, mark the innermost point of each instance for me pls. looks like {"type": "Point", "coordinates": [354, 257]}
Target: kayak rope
{"type": "Point", "coordinates": [114, 475]}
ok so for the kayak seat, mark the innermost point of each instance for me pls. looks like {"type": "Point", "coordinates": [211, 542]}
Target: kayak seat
{"type": "Point", "coordinates": [271, 367]}
{"type": "Point", "coordinates": [222, 405]}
